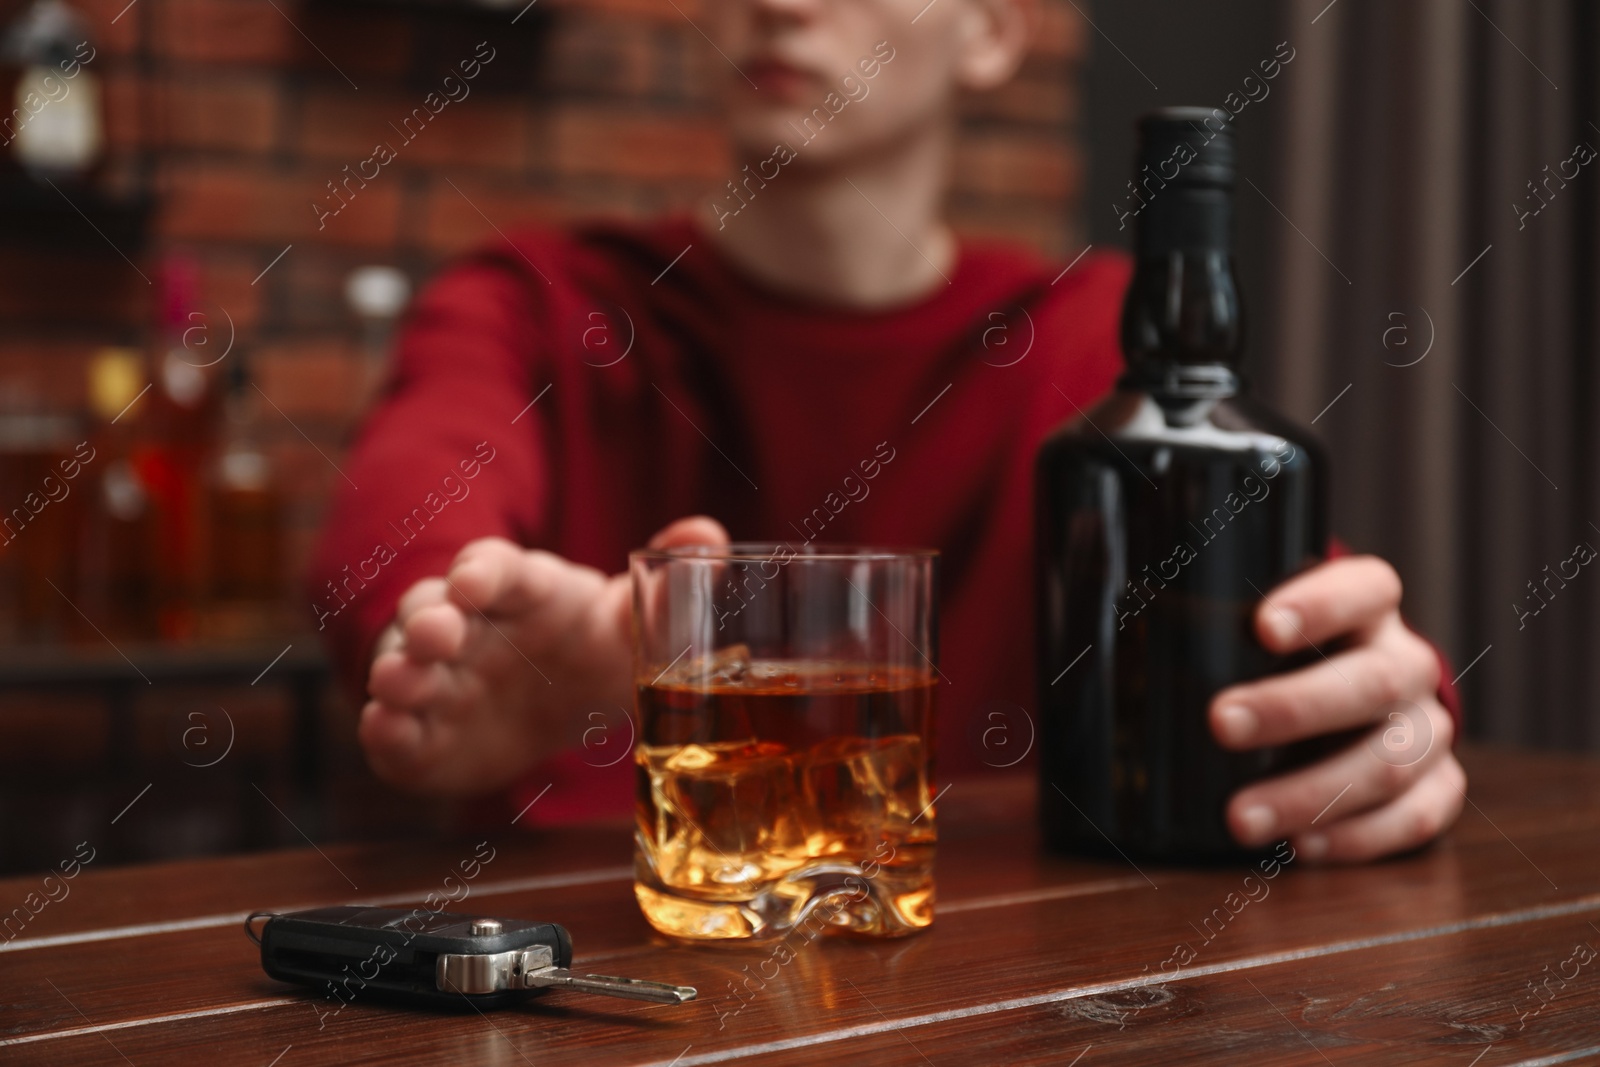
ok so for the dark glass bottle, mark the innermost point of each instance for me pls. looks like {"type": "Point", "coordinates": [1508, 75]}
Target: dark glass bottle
{"type": "Point", "coordinates": [244, 533]}
{"type": "Point", "coordinates": [1163, 517]}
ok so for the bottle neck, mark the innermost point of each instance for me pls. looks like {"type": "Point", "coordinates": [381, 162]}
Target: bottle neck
{"type": "Point", "coordinates": [1182, 322]}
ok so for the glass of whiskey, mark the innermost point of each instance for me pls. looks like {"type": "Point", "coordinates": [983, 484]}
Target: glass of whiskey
{"type": "Point", "coordinates": [786, 708]}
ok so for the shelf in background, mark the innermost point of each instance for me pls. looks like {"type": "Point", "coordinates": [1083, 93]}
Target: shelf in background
{"type": "Point", "coordinates": [86, 666]}
{"type": "Point", "coordinates": [71, 216]}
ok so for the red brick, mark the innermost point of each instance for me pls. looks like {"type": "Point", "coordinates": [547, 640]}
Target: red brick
{"type": "Point", "coordinates": [124, 96]}
{"type": "Point", "coordinates": [273, 207]}
{"type": "Point", "coordinates": [477, 131]}
{"type": "Point", "coordinates": [687, 69]}
{"type": "Point", "coordinates": [590, 199]}
{"type": "Point", "coordinates": [314, 379]}
{"type": "Point", "coordinates": [1041, 93]}
{"type": "Point", "coordinates": [118, 38]}
{"type": "Point", "coordinates": [227, 31]}
{"type": "Point", "coordinates": [597, 57]}
{"type": "Point", "coordinates": [216, 112]}
{"type": "Point", "coordinates": [51, 371]}
{"type": "Point", "coordinates": [1008, 164]}
{"type": "Point", "coordinates": [455, 219]}
{"type": "Point", "coordinates": [308, 292]}
{"type": "Point", "coordinates": [225, 277]}
{"type": "Point", "coordinates": [542, 148]}
{"type": "Point", "coordinates": [366, 42]}
{"type": "Point", "coordinates": [588, 141]}
{"type": "Point", "coordinates": [653, 10]}
{"type": "Point", "coordinates": [301, 468]}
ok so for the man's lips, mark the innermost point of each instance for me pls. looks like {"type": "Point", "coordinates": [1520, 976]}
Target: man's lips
{"type": "Point", "coordinates": [782, 79]}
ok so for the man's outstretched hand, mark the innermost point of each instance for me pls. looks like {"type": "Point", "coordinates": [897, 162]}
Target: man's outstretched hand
{"type": "Point", "coordinates": [1398, 787]}
{"type": "Point", "coordinates": [484, 671]}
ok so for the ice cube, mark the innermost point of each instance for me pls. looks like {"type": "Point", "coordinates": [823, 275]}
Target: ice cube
{"type": "Point", "coordinates": [726, 814]}
{"type": "Point", "coordinates": [725, 666]}
{"type": "Point", "coordinates": [866, 789]}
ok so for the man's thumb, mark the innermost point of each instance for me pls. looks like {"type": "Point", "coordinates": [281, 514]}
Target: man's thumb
{"type": "Point", "coordinates": [694, 530]}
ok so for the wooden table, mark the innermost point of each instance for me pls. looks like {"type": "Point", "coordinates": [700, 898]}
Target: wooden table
{"type": "Point", "coordinates": [1474, 952]}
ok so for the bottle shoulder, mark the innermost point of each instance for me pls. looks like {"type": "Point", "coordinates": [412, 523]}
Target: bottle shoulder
{"type": "Point", "coordinates": [1247, 411]}
{"type": "Point", "coordinates": [1132, 419]}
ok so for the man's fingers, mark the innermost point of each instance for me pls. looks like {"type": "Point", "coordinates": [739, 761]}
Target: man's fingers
{"type": "Point", "coordinates": [391, 737]}
{"type": "Point", "coordinates": [426, 592]}
{"type": "Point", "coordinates": [1414, 818]}
{"type": "Point", "coordinates": [613, 608]}
{"type": "Point", "coordinates": [1343, 690]}
{"type": "Point", "coordinates": [436, 632]}
{"type": "Point", "coordinates": [1369, 773]}
{"type": "Point", "coordinates": [401, 682]}
{"type": "Point", "coordinates": [1335, 598]}
{"type": "Point", "coordinates": [391, 639]}
{"type": "Point", "coordinates": [496, 577]}
{"type": "Point", "coordinates": [694, 530]}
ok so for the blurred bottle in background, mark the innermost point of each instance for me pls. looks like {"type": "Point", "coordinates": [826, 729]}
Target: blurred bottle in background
{"type": "Point", "coordinates": [41, 505]}
{"type": "Point", "coordinates": [245, 511]}
{"type": "Point", "coordinates": [378, 296]}
{"type": "Point", "coordinates": [155, 512]}
{"type": "Point", "coordinates": [118, 568]}
{"type": "Point", "coordinates": [185, 411]}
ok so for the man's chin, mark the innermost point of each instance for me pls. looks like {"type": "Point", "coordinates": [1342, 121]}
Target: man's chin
{"type": "Point", "coordinates": [758, 133]}
{"type": "Point", "coordinates": [795, 139]}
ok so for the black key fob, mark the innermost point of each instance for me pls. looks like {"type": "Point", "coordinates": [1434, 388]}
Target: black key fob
{"type": "Point", "coordinates": [433, 957]}
{"type": "Point", "coordinates": [415, 955]}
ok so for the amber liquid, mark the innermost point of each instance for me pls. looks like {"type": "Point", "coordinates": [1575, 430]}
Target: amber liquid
{"type": "Point", "coordinates": [779, 794]}
{"type": "Point", "coordinates": [37, 533]}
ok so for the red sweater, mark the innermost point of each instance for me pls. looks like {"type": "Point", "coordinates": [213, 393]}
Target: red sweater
{"type": "Point", "coordinates": [663, 383]}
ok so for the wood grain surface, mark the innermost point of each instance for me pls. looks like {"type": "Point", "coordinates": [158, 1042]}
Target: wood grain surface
{"type": "Point", "coordinates": [1473, 952]}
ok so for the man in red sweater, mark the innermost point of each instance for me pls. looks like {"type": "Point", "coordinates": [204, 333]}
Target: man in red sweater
{"type": "Point", "coordinates": [559, 399]}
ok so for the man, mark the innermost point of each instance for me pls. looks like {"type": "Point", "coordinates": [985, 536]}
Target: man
{"type": "Point", "coordinates": [558, 399]}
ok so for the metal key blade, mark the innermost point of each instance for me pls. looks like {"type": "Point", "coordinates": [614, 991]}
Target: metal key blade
{"type": "Point", "coordinates": [607, 985]}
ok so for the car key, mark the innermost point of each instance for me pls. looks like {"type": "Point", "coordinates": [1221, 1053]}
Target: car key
{"type": "Point", "coordinates": [441, 957]}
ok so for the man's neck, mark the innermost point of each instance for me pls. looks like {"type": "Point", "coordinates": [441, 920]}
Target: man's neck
{"type": "Point", "coordinates": [866, 234]}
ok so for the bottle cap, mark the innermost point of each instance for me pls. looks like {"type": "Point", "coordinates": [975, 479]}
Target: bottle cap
{"type": "Point", "coordinates": [1189, 146]}
{"type": "Point", "coordinates": [1183, 181]}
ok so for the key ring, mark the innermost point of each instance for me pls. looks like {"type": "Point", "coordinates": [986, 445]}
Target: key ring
{"type": "Point", "coordinates": [249, 929]}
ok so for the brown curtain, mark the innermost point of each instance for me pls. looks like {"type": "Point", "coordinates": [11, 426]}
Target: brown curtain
{"type": "Point", "coordinates": [1406, 146]}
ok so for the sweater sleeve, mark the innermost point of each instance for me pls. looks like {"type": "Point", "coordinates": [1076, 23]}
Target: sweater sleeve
{"type": "Point", "coordinates": [449, 453]}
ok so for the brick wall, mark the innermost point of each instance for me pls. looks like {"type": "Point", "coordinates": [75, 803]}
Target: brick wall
{"type": "Point", "coordinates": [235, 120]}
